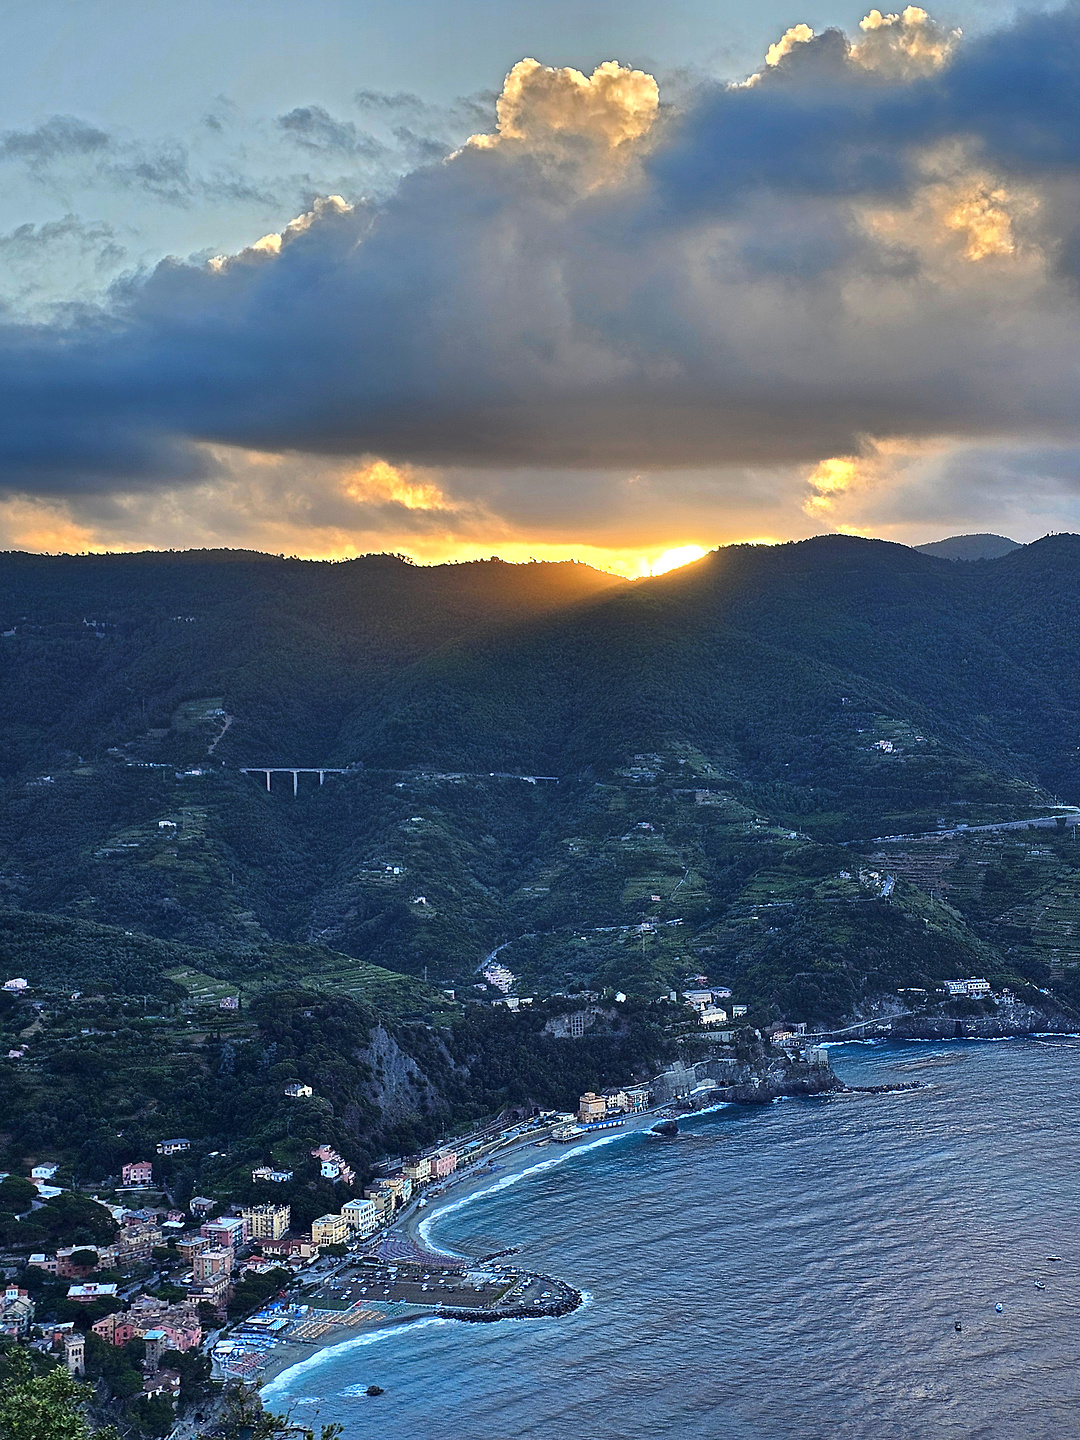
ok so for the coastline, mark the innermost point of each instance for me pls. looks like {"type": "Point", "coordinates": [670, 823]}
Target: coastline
{"type": "Point", "coordinates": [519, 1159]}
{"type": "Point", "coordinates": [751, 1084]}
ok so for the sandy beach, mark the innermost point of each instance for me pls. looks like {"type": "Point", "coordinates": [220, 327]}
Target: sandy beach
{"type": "Point", "coordinates": [506, 1167]}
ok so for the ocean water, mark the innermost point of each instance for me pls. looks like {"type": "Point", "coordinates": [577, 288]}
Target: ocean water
{"type": "Point", "coordinates": [790, 1270]}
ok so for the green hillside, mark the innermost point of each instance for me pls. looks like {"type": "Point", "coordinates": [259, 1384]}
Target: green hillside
{"type": "Point", "coordinates": [618, 783]}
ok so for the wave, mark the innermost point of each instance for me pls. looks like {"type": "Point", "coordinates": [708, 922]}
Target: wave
{"type": "Point", "coordinates": [504, 1183]}
{"type": "Point", "coordinates": [279, 1387]}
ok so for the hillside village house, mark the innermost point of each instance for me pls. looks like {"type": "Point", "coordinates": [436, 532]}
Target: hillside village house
{"type": "Point", "coordinates": [16, 1312]}
{"type": "Point", "coordinates": [139, 1172]}
{"type": "Point", "coordinates": [201, 1205]}
{"type": "Point", "coordinates": [173, 1147]}
{"type": "Point", "coordinates": [13, 987]}
{"type": "Point", "coordinates": [332, 1166]}
{"type": "Point", "coordinates": [191, 1245]}
{"type": "Point", "coordinates": [179, 1324]}
{"type": "Point", "coordinates": [298, 1091]}
{"type": "Point", "coordinates": [43, 1172]}
{"type": "Point", "coordinates": [418, 1169]}
{"type": "Point", "coordinates": [90, 1290]}
{"type": "Point", "coordinates": [976, 987]}
{"type": "Point", "coordinates": [137, 1239]}
{"type": "Point", "coordinates": [275, 1177]}
{"type": "Point", "coordinates": [290, 1249]}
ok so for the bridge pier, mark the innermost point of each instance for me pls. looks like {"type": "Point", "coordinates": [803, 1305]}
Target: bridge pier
{"type": "Point", "coordinates": [295, 771]}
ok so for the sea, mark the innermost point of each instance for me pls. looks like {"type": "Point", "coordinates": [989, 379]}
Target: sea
{"type": "Point", "coordinates": [790, 1270]}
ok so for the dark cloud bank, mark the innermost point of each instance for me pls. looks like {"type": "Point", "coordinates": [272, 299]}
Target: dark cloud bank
{"type": "Point", "coordinates": [878, 238]}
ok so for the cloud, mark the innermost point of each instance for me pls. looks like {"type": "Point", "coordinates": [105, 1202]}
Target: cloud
{"type": "Point", "coordinates": [55, 139]}
{"type": "Point", "coordinates": [545, 109]}
{"type": "Point", "coordinates": [313, 128]}
{"type": "Point", "coordinates": [31, 257]}
{"type": "Point", "coordinates": [867, 252]}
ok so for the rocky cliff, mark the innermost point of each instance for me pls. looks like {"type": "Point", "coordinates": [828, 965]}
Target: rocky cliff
{"type": "Point", "coordinates": [754, 1075]}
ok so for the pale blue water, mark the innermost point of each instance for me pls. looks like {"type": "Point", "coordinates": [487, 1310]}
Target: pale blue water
{"type": "Point", "coordinates": [793, 1270]}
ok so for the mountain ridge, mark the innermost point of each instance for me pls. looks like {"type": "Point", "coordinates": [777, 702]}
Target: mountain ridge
{"type": "Point", "coordinates": [717, 733]}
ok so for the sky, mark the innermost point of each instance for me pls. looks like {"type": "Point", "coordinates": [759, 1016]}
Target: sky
{"type": "Point", "coordinates": [601, 279]}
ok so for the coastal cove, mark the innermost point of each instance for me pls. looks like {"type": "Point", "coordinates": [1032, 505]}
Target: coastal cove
{"type": "Point", "coordinates": [739, 1277]}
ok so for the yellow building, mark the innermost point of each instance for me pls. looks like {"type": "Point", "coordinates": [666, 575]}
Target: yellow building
{"type": "Point", "coordinates": [418, 1170]}
{"type": "Point", "coordinates": [385, 1202]}
{"type": "Point", "coordinates": [591, 1107]}
{"type": "Point", "coordinates": [267, 1222]}
{"type": "Point", "coordinates": [330, 1230]}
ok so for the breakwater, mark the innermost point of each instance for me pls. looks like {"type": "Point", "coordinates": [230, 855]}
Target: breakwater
{"type": "Point", "coordinates": [854, 1236]}
{"type": "Point", "coordinates": [564, 1306]}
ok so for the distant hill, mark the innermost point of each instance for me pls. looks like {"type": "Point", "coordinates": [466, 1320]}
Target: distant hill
{"type": "Point", "coordinates": [969, 547]}
{"type": "Point", "coordinates": [726, 741]}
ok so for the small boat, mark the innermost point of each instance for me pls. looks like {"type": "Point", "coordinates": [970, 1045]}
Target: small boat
{"type": "Point", "coordinates": [999, 1308]}
{"type": "Point", "coordinates": [958, 1327]}
{"type": "Point", "coordinates": [1039, 1285]}
{"type": "Point", "coordinates": [1053, 1257]}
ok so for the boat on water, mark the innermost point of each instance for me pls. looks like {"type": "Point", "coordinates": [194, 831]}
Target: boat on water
{"type": "Point", "coordinates": [1039, 1285]}
{"type": "Point", "coordinates": [1053, 1257]}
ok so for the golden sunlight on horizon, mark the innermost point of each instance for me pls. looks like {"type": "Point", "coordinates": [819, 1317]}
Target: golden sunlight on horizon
{"type": "Point", "coordinates": [675, 559]}
{"type": "Point", "coordinates": [49, 527]}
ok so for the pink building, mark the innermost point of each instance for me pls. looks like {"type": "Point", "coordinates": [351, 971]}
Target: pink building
{"type": "Point", "coordinates": [443, 1164]}
{"type": "Point", "coordinates": [115, 1329]}
{"type": "Point", "coordinates": [139, 1172]}
{"type": "Point", "coordinates": [183, 1337]}
{"type": "Point", "coordinates": [228, 1230]}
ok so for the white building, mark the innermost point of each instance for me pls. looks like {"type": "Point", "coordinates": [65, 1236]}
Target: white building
{"type": "Point", "coordinates": [364, 1216]}
{"type": "Point", "coordinates": [975, 987]}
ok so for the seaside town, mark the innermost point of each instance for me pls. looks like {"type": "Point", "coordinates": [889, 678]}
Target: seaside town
{"type": "Point", "coordinates": [171, 1281]}
{"type": "Point", "coordinates": [167, 1305]}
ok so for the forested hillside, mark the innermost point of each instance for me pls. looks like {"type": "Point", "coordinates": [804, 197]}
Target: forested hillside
{"type": "Point", "coordinates": [620, 783]}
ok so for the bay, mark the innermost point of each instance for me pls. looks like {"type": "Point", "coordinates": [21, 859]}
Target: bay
{"type": "Point", "coordinates": [789, 1270]}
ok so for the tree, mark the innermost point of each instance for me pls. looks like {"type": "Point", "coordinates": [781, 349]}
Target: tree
{"type": "Point", "coordinates": [154, 1415]}
{"type": "Point", "coordinates": [17, 1194]}
{"type": "Point", "coordinates": [247, 1420]}
{"type": "Point", "coordinates": [45, 1407]}
{"type": "Point", "coordinates": [84, 1259]}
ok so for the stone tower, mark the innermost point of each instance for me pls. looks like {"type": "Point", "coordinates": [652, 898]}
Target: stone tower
{"type": "Point", "coordinates": [75, 1353]}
